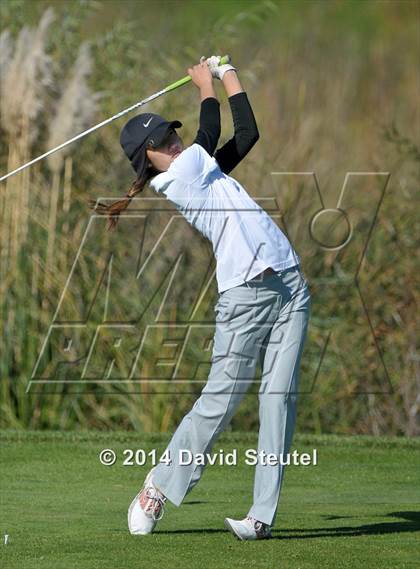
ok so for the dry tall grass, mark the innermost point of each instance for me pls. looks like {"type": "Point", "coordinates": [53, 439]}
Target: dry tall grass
{"type": "Point", "coordinates": [29, 84]}
{"type": "Point", "coordinates": [26, 78]}
{"type": "Point", "coordinates": [74, 113]}
{"type": "Point", "coordinates": [323, 79]}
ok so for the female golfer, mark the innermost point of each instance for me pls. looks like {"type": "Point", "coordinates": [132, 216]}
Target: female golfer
{"type": "Point", "coordinates": [263, 307]}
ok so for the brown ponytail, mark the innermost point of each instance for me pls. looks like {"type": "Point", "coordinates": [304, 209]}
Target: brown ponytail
{"type": "Point", "coordinates": [114, 209]}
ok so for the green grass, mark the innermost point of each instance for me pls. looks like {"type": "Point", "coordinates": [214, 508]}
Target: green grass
{"type": "Point", "coordinates": [359, 507]}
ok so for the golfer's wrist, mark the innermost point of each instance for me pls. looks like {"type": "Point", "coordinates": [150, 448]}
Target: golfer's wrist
{"type": "Point", "coordinates": [231, 83]}
{"type": "Point", "coordinates": [229, 73]}
{"type": "Point", "coordinates": [207, 90]}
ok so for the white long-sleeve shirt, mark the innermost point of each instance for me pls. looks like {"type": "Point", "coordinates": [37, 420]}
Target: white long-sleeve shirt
{"type": "Point", "coordinates": [245, 239]}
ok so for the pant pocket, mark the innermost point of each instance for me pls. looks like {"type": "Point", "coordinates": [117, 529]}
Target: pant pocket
{"type": "Point", "coordinates": [222, 309]}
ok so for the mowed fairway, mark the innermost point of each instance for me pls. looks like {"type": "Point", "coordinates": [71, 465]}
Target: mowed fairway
{"type": "Point", "coordinates": [359, 507]}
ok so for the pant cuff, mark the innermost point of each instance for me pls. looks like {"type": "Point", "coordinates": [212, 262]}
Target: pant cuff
{"type": "Point", "coordinates": [261, 516]}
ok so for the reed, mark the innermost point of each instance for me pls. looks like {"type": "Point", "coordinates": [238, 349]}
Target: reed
{"type": "Point", "coordinates": [26, 74]}
{"type": "Point", "coordinates": [68, 170]}
{"type": "Point", "coordinates": [75, 111]}
{"type": "Point", "coordinates": [320, 97]}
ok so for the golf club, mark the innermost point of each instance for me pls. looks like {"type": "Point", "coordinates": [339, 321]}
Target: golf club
{"type": "Point", "coordinates": [171, 87]}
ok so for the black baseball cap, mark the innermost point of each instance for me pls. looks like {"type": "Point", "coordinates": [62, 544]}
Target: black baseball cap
{"type": "Point", "coordinates": [138, 131]}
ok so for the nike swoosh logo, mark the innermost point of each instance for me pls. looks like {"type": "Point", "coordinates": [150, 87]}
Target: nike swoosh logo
{"type": "Point", "coordinates": [146, 124]}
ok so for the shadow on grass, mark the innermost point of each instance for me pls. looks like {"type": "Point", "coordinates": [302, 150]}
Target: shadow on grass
{"type": "Point", "coordinates": [411, 523]}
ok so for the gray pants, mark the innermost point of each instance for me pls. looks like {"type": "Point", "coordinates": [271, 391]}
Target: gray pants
{"type": "Point", "coordinates": [261, 320]}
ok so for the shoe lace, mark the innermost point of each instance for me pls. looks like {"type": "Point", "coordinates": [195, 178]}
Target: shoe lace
{"type": "Point", "coordinates": [154, 504]}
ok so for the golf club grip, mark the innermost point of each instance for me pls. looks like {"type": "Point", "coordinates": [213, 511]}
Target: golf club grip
{"type": "Point", "coordinates": [224, 59]}
{"type": "Point", "coordinates": [187, 78]}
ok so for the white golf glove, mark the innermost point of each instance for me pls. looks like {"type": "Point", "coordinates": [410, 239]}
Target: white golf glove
{"type": "Point", "coordinates": [217, 70]}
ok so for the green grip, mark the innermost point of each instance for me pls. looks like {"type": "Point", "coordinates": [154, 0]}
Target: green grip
{"type": "Point", "coordinates": [187, 78]}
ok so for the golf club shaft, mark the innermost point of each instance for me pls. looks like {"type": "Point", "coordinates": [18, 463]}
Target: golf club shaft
{"type": "Point", "coordinates": [171, 87]}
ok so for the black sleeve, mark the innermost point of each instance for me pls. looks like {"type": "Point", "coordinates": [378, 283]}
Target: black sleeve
{"type": "Point", "coordinates": [245, 134]}
{"type": "Point", "coordinates": [209, 129]}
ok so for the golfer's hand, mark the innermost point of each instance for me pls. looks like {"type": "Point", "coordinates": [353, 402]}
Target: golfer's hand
{"type": "Point", "coordinates": [201, 74]}
{"type": "Point", "coordinates": [217, 70]}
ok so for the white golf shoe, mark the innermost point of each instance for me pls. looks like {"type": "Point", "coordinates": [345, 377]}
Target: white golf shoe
{"type": "Point", "coordinates": [248, 528]}
{"type": "Point", "coordinates": [146, 509]}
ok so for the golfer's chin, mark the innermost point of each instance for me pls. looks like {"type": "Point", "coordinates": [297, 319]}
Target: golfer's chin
{"type": "Point", "coordinates": [174, 156]}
